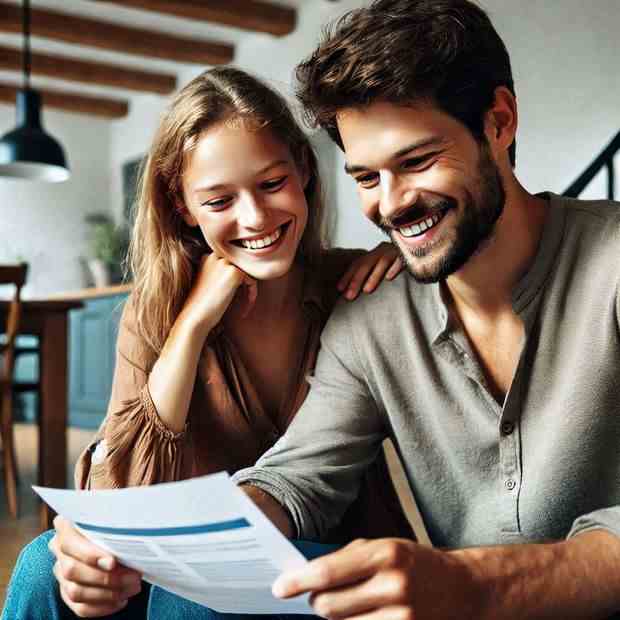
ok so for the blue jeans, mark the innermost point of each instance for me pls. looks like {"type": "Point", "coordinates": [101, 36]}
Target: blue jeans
{"type": "Point", "coordinates": [33, 592]}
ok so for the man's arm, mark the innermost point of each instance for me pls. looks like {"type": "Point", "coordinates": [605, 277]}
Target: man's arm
{"type": "Point", "coordinates": [273, 510]}
{"type": "Point", "coordinates": [314, 470]}
{"type": "Point", "coordinates": [391, 578]}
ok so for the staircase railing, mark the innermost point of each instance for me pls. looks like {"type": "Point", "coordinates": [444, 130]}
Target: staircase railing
{"type": "Point", "coordinates": [604, 160]}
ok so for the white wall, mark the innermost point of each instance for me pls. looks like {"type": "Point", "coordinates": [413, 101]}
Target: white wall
{"type": "Point", "coordinates": [564, 55]}
{"type": "Point", "coordinates": [43, 223]}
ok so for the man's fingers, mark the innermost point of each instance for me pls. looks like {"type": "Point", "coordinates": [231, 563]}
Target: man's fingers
{"type": "Point", "coordinates": [383, 589]}
{"type": "Point", "coordinates": [341, 568]}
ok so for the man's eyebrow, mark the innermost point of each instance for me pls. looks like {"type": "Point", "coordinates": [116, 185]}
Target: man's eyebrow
{"type": "Point", "coordinates": [218, 186]}
{"type": "Point", "coordinates": [432, 141]}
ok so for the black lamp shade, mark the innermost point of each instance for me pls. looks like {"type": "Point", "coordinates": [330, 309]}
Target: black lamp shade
{"type": "Point", "coordinates": [28, 152]}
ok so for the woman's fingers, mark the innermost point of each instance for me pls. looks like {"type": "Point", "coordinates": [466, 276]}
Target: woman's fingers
{"type": "Point", "coordinates": [375, 277]}
{"type": "Point", "coordinates": [69, 541]}
{"type": "Point", "coordinates": [395, 268]}
{"type": "Point", "coordinates": [87, 610]}
{"type": "Point", "coordinates": [251, 294]}
{"type": "Point", "coordinates": [84, 589]}
{"type": "Point", "coordinates": [359, 275]}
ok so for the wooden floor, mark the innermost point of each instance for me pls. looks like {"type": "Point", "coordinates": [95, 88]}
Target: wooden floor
{"type": "Point", "coordinates": [14, 534]}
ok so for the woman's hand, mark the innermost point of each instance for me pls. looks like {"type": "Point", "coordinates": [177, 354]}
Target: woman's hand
{"type": "Point", "coordinates": [366, 272]}
{"type": "Point", "coordinates": [215, 286]}
{"type": "Point", "coordinates": [92, 582]}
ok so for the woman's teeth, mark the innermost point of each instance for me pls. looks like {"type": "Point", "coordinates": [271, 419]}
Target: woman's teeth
{"type": "Point", "coordinates": [265, 242]}
{"type": "Point", "coordinates": [421, 227]}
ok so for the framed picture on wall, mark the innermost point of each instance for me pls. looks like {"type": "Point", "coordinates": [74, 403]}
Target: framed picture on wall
{"type": "Point", "coordinates": [130, 173]}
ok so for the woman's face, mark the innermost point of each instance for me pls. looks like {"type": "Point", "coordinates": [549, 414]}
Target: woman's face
{"type": "Point", "coordinates": [242, 187]}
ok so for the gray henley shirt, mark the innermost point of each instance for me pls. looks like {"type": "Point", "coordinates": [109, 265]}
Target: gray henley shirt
{"type": "Point", "coordinates": [544, 466]}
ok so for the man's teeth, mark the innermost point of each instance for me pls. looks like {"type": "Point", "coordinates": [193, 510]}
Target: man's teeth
{"type": "Point", "coordinates": [265, 242]}
{"type": "Point", "coordinates": [420, 227]}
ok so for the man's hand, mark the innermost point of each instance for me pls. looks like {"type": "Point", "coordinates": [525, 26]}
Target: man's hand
{"type": "Point", "coordinates": [393, 579]}
{"type": "Point", "coordinates": [92, 583]}
{"type": "Point", "coordinates": [389, 579]}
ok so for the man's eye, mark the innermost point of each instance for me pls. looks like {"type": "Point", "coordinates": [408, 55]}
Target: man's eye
{"type": "Point", "coordinates": [274, 184]}
{"type": "Point", "coordinates": [367, 180]}
{"type": "Point", "coordinates": [417, 162]}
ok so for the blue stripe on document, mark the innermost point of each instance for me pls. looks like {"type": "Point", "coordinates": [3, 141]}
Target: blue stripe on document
{"type": "Point", "coordinates": [206, 528]}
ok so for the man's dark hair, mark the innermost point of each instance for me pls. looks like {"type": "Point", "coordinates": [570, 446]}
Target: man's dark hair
{"type": "Point", "coordinates": [445, 52]}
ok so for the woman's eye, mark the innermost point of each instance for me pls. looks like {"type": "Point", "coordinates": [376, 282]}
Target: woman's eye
{"type": "Point", "coordinates": [274, 184]}
{"type": "Point", "coordinates": [216, 204]}
{"type": "Point", "coordinates": [367, 180]}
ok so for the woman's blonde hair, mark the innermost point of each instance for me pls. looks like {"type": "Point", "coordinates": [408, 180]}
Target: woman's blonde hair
{"type": "Point", "coordinates": [164, 251]}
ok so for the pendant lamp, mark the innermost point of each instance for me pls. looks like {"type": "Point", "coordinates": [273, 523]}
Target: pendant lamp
{"type": "Point", "coordinates": [27, 152]}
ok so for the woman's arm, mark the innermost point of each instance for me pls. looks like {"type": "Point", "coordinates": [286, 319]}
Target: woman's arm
{"type": "Point", "coordinates": [142, 438]}
{"type": "Point", "coordinates": [172, 379]}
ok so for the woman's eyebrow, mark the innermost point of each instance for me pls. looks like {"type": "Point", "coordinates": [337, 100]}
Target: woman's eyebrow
{"type": "Point", "coordinates": [219, 186]}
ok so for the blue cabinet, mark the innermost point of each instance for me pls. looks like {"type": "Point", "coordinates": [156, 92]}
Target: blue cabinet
{"type": "Point", "coordinates": [92, 343]}
{"type": "Point", "coordinates": [92, 350]}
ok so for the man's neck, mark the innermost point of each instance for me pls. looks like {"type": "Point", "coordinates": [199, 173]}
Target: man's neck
{"type": "Point", "coordinates": [485, 284]}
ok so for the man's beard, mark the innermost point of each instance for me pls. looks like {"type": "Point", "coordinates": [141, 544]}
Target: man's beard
{"type": "Point", "coordinates": [472, 230]}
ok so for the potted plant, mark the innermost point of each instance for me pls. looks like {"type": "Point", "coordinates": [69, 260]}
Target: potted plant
{"type": "Point", "coordinates": [108, 248]}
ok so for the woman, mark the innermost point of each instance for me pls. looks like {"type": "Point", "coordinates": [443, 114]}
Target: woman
{"type": "Point", "coordinates": [229, 271]}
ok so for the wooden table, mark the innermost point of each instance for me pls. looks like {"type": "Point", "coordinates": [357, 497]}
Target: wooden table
{"type": "Point", "coordinates": [48, 320]}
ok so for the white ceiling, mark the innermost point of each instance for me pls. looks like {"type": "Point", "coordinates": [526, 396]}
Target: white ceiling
{"type": "Point", "coordinates": [129, 17]}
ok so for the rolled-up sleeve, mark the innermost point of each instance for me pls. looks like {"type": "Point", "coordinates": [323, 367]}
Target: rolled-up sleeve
{"type": "Point", "coordinates": [605, 519]}
{"type": "Point", "coordinates": [315, 469]}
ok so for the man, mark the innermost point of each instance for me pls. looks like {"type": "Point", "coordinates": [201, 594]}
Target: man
{"type": "Point", "coordinates": [493, 367]}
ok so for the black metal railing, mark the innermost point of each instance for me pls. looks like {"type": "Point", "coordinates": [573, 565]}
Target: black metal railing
{"type": "Point", "coordinates": [604, 160]}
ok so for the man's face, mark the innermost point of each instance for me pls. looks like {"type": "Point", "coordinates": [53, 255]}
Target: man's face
{"type": "Point", "coordinates": [425, 180]}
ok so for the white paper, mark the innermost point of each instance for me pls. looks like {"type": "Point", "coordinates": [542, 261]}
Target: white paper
{"type": "Point", "coordinates": [201, 538]}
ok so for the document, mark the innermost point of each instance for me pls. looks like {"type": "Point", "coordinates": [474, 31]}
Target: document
{"type": "Point", "coordinates": [203, 539]}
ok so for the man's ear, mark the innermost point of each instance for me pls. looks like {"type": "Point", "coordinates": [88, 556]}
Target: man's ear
{"type": "Point", "coordinates": [501, 120]}
{"type": "Point", "coordinates": [303, 168]}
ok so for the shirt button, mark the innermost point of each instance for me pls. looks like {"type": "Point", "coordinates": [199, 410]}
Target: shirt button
{"type": "Point", "coordinates": [507, 427]}
{"type": "Point", "coordinates": [510, 484]}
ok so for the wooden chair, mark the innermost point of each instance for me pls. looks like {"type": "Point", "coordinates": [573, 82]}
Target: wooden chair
{"type": "Point", "coordinates": [15, 275]}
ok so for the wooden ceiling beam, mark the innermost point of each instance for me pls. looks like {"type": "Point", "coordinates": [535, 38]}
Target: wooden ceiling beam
{"type": "Point", "coordinates": [257, 15]}
{"type": "Point", "coordinates": [114, 37]}
{"type": "Point", "coordinates": [70, 102]}
{"type": "Point", "coordinates": [65, 68]}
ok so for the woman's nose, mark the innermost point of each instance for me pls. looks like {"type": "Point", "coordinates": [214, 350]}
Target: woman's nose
{"type": "Point", "coordinates": [251, 213]}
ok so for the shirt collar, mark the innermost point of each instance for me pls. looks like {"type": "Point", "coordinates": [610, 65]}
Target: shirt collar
{"type": "Point", "coordinates": [550, 240]}
{"type": "Point", "coordinates": [532, 281]}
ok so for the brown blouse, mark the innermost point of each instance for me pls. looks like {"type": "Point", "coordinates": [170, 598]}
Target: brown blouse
{"type": "Point", "coordinates": [227, 426]}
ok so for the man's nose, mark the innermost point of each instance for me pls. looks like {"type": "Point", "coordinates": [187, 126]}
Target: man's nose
{"type": "Point", "coordinates": [251, 212]}
{"type": "Point", "coordinates": [396, 194]}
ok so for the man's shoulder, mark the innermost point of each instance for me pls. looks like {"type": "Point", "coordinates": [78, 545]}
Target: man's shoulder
{"type": "Point", "coordinates": [591, 212]}
{"type": "Point", "coordinates": [392, 301]}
